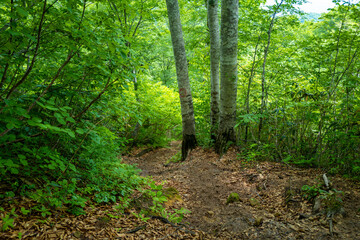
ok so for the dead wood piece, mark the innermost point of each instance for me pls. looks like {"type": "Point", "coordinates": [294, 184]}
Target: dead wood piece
{"type": "Point", "coordinates": [326, 181]}
{"type": "Point", "coordinates": [137, 229]}
{"type": "Point", "coordinates": [317, 205]}
{"type": "Point", "coordinates": [331, 226]}
{"type": "Point", "coordinates": [143, 152]}
{"type": "Point", "coordinates": [164, 220]}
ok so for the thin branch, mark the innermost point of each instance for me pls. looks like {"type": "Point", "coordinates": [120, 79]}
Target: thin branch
{"type": "Point", "coordinates": [95, 99]}
{"type": "Point", "coordinates": [35, 53]}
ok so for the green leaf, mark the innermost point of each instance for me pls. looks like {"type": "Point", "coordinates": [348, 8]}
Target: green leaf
{"type": "Point", "coordinates": [69, 132]}
{"type": "Point", "coordinates": [72, 167]}
{"type": "Point", "coordinates": [61, 166]}
{"type": "Point", "coordinates": [14, 170]}
{"type": "Point", "coordinates": [14, 33]}
{"type": "Point", "coordinates": [24, 211]}
{"type": "Point", "coordinates": [70, 119]}
{"type": "Point", "coordinates": [22, 11]}
{"type": "Point", "coordinates": [52, 165]}
{"type": "Point", "coordinates": [22, 159]}
{"type": "Point", "coordinates": [22, 112]}
{"type": "Point", "coordinates": [60, 118]}
{"type": "Point", "coordinates": [10, 125]}
{"type": "Point", "coordinates": [80, 131]}
{"type": "Point", "coordinates": [34, 121]}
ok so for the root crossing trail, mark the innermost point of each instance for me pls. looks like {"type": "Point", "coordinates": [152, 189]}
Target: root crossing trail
{"type": "Point", "coordinates": [270, 204]}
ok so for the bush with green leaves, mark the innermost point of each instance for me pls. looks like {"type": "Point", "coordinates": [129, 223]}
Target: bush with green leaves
{"type": "Point", "coordinates": [148, 116]}
{"type": "Point", "coordinates": [78, 170]}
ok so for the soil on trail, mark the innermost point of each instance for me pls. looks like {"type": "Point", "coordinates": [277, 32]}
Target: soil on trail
{"type": "Point", "coordinates": [270, 205]}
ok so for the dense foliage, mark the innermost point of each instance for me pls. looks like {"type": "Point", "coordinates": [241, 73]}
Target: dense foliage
{"type": "Point", "coordinates": [82, 82]}
{"type": "Point", "coordinates": [70, 104]}
{"type": "Point", "coordinates": [310, 77]}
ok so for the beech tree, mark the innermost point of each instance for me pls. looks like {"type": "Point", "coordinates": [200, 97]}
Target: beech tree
{"type": "Point", "coordinates": [187, 111]}
{"type": "Point", "coordinates": [228, 69]}
{"type": "Point", "coordinates": [213, 23]}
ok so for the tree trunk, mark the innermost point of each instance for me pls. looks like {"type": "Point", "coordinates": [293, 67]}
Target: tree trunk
{"type": "Point", "coordinates": [187, 111]}
{"type": "Point", "coordinates": [251, 77]}
{"type": "Point", "coordinates": [213, 22]}
{"type": "Point", "coordinates": [263, 80]}
{"type": "Point", "coordinates": [228, 68]}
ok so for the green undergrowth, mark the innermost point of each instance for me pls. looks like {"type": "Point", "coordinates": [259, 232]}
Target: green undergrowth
{"type": "Point", "coordinates": [174, 159]}
{"type": "Point", "coordinates": [347, 165]}
{"type": "Point", "coordinates": [69, 168]}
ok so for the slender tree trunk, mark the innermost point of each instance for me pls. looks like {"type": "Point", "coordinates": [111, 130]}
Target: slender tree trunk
{"type": "Point", "coordinates": [228, 68]}
{"type": "Point", "coordinates": [247, 100]}
{"type": "Point", "coordinates": [214, 29]}
{"type": "Point", "coordinates": [263, 80]}
{"type": "Point", "coordinates": [187, 111]}
{"type": "Point", "coordinates": [135, 132]}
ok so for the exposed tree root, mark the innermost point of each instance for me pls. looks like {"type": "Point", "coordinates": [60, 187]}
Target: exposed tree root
{"type": "Point", "coordinates": [223, 140]}
{"type": "Point", "coordinates": [188, 143]}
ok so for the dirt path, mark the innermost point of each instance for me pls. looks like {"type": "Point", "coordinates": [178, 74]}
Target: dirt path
{"type": "Point", "coordinates": [270, 205]}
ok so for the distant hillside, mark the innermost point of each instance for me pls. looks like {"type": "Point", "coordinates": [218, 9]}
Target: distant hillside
{"type": "Point", "coordinates": [310, 17]}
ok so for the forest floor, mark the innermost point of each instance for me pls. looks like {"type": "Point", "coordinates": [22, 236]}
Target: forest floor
{"type": "Point", "coordinates": [270, 206]}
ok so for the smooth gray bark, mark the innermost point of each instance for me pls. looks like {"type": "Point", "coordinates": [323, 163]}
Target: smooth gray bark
{"type": "Point", "coordinates": [187, 111]}
{"type": "Point", "coordinates": [228, 69]}
{"type": "Point", "coordinates": [214, 30]}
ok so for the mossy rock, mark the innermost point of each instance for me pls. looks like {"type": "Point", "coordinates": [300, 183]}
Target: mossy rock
{"type": "Point", "coordinates": [233, 197]}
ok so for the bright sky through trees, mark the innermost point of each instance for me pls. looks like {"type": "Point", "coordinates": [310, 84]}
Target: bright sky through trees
{"type": "Point", "coordinates": [315, 6]}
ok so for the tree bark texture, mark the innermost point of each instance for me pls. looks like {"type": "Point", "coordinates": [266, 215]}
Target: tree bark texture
{"type": "Point", "coordinates": [214, 30]}
{"type": "Point", "coordinates": [187, 111]}
{"type": "Point", "coordinates": [228, 69]}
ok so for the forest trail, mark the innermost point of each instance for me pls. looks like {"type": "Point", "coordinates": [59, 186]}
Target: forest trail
{"type": "Point", "coordinates": [270, 205]}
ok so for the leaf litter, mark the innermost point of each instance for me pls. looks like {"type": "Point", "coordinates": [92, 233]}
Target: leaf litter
{"type": "Point", "coordinates": [270, 205]}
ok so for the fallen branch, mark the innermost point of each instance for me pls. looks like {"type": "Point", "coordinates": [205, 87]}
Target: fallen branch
{"type": "Point", "coordinates": [137, 229]}
{"type": "Point", "coordinates": [326, 181]}
{"type": "Point", "coordinates": [144, 152]}
{"type": "Point", "coordinates": [164, 220]}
